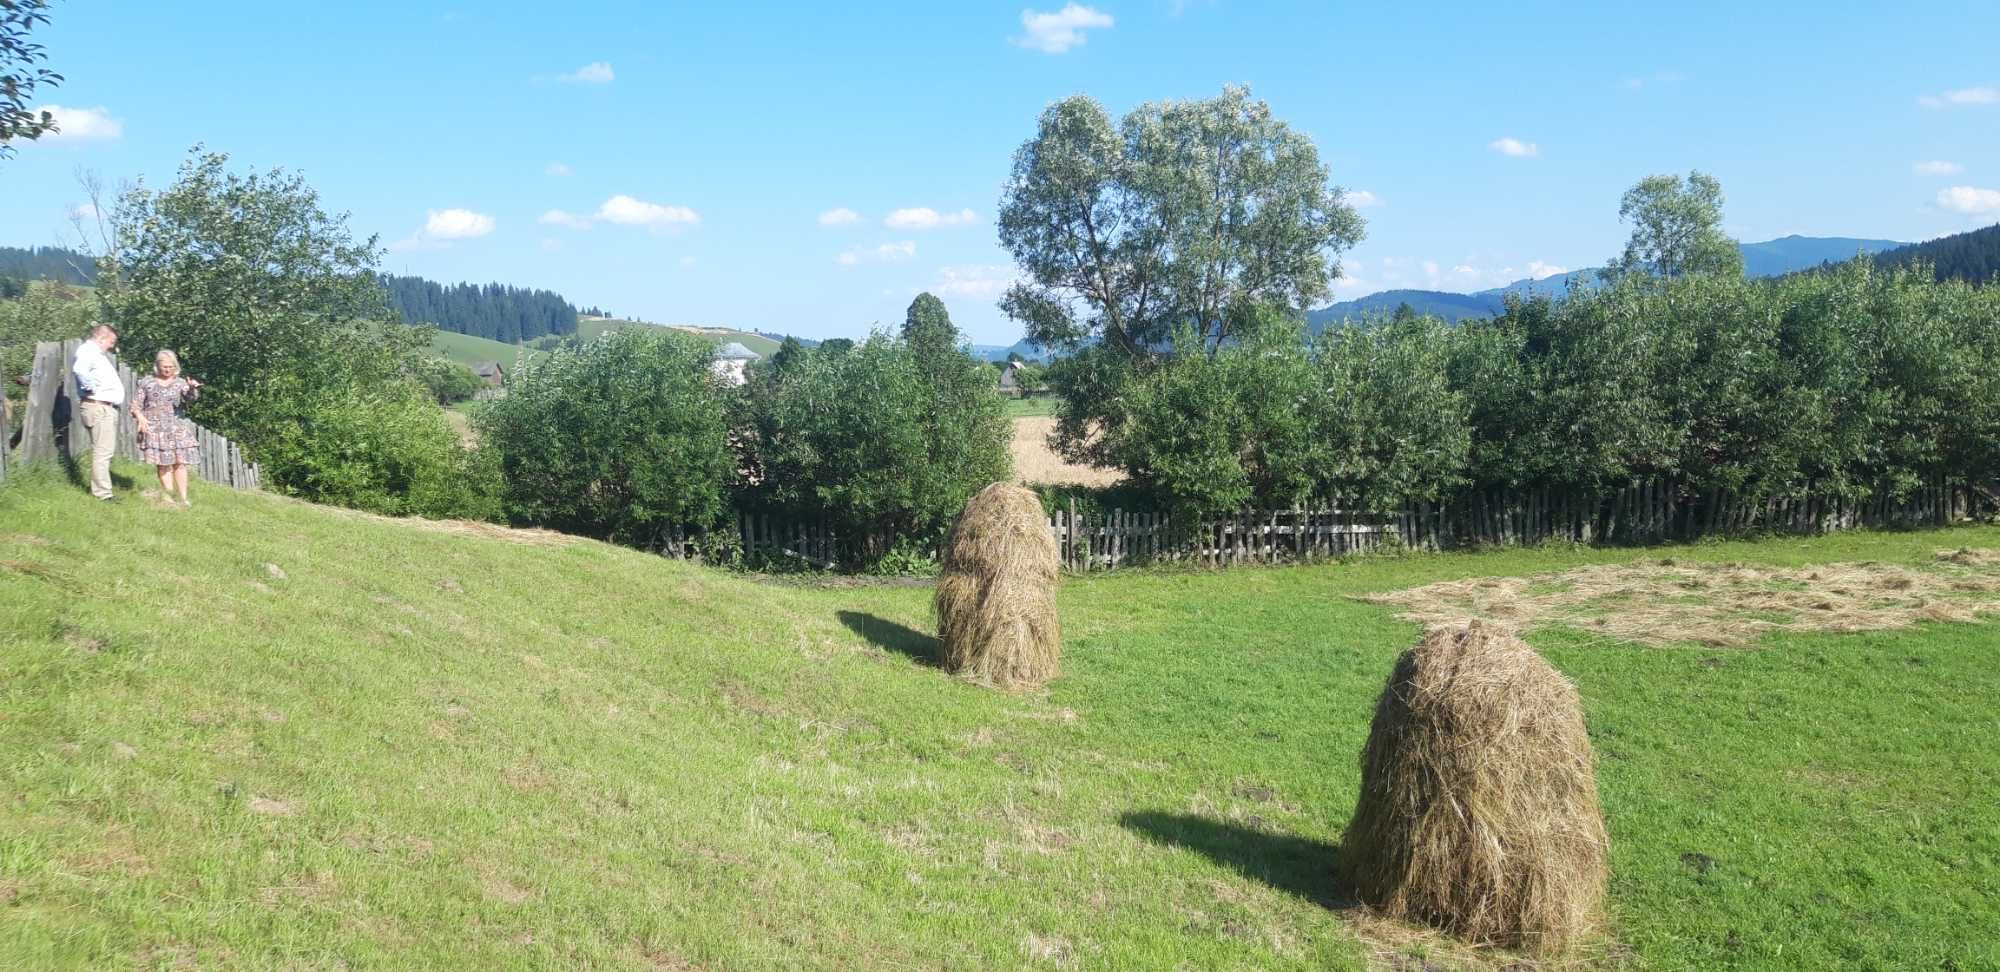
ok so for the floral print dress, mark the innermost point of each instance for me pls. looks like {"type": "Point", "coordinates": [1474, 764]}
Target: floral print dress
{"type": "Point", "coordinates": [169, 436]}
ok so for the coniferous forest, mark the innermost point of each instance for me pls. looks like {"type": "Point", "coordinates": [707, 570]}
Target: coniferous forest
{"type": "Point", "coordinates": [1972, 257]}
{"type": "Point", "coordinates": [496, 311]}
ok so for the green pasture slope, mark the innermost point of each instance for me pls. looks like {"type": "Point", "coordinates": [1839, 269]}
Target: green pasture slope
{"type": "Point", "coordinates": [469, 350]}
{"type": "Point", "coordinates": [266, 734]}
{"type": "Point", "coordinates": [590, 327]}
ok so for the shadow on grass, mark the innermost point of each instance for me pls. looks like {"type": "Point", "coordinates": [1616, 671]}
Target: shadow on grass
{"type": "Point", "coordinates": [890, 636]}
{"type": "Point", "coordinates": [1295, 865]}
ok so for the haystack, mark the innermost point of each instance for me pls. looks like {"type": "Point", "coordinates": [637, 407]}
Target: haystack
{"type": "Point", "coordinates": [996, 593]}
{"type": "Point", "coordinates": [1478, 810]}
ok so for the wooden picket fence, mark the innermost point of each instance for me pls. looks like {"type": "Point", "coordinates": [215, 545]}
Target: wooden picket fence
{"type": "Point", "coordinates": [52, 425]}
{"type": "Point", "coordinates": [1648, 512]}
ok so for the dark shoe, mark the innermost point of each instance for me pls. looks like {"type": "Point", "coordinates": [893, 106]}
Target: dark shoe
{"type": "Point", "coordinates": [109, 499]}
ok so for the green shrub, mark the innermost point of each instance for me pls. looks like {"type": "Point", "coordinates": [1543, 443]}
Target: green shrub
{"type": "Point", "coordinates": [385, 448]}
{"type": "Point", "coordinates": [624, 437]}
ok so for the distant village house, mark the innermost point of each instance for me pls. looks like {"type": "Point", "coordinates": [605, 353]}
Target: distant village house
{"type": "Point", "coordinates": [730, 360]}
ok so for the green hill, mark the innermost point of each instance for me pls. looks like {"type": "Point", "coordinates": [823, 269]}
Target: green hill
{"type": "Point", "coordinates": [469, 350]}
{"type": "Point", "coordinates": [266, 734]}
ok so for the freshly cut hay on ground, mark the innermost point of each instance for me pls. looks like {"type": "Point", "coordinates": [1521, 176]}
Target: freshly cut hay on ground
{"type": "Point", "coordinates": [1663, 602]}
{"type": "Point", "coordinates": [996, 593]}
{"type": "Point", "coordinates": [1478, 811]}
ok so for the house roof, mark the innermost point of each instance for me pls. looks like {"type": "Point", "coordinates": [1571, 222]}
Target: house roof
{"type": "Point", "coordinates": [485, 368]}
{"type": "Point", "coordinates": [736, 352]}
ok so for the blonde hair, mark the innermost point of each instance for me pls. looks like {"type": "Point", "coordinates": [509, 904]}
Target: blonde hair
{"type": "Point", "coordinates": [168, 356]}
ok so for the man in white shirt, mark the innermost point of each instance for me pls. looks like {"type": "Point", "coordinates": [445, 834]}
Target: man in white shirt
{"type": "Point", "coordinates": [102, 395]}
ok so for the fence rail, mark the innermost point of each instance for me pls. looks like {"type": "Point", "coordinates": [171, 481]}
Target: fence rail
{"type": "Point", "coordinates": [52, 425]}
{"type": "Point", "coordinates": [1646, 512]}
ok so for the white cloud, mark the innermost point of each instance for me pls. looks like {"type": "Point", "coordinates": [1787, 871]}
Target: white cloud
{"type": "Point", "coordinates": [1515, 148]}
{"type": "Point", "coordinates": [886, 253]}
{"type": "Point", "coordinates": [1970, 200]}
{"type": "Point", "coordinates": [596, 72]}
{"type": "Point", "coordinates": [558, 217]}
{"type": "Point", "coordinates": [1362, 199]}
{"type": "Point", "coordinates": [85, 212]}
{"type": "Point", "coordinates": [1054, 33]}
{"type": "Point", "coordinates": [558, 169]}
{"type": "Point", "coordinates": [1982, 95]}
{"type": "Point", "coordinates": [456, 224]}
{"type": "Point", "coordinates": [1538, 270]}
{"type": "Point", "coordinates": [924, 217]}
{"type": "Point", "coordinates": [1936, 167]}
{"type": "Point", "coordinates": [839, 217]}
{"type": "Point", "coordinates": [975, 281]}
{"type": "Point", "coordinates": [81, 124]}
{"type": "Point", "coordinates": [627, 211]}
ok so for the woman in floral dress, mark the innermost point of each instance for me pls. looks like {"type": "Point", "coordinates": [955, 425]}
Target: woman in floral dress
{"type": "Point", "coordinates": [166, 437]}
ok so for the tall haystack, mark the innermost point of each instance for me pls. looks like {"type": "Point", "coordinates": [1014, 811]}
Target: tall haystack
{"type": "Point", "coordinates": [1478, 810]}
{"type": "Point", "coordinates": [996, 593]}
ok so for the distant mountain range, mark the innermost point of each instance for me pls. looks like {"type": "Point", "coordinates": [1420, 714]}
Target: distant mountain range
{"type": "Point", "coordinates": [1770, 258]}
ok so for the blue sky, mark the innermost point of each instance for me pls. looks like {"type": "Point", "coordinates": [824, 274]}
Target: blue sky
{"type": "Point", "coordinates": [678, 163]}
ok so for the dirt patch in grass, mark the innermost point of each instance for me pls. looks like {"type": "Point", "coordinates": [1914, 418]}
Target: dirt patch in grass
{"type": "Point", "coordinates": [1662, 602]}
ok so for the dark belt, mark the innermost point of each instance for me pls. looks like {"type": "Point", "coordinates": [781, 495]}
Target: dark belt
{"type": "Point", "coordinates": [100, 401]}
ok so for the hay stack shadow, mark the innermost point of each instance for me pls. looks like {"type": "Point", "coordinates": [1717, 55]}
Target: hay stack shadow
{"type": "Point", "coordinates": [1478, 811]}
{"type": "Point", "coordinates": [890, 636]}
{"type": "Point", "coordinates": [996, 592]}
{"type": "Point", "coordinates": [1295, 865]}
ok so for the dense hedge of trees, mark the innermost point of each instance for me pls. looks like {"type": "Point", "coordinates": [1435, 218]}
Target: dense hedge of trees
{"type": "Point", "coordinates": [1849, 383]}
{"type": "Point", "coordinates": [495, 311]}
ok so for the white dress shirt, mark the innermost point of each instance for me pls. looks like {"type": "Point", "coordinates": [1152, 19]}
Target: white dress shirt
{"type": "Point", "coordinates": [97, 375]}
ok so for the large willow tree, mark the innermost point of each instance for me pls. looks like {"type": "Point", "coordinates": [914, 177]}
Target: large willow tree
{"type": "Point", "coordinates": [1179, 218]}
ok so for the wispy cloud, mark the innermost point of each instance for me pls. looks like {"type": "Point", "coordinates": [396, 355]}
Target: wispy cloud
{"type": "Point", "coordinates": [1936, 167]}
{"type": "Point", "coordinates": [558, 169]}
{"type": "Point", "coordinates": [558, 217]}
{"type": "Point", "coordinates": [975, 281]}
{"type": "Point", "coordinates": [924, 217]}
{"type": "Point", "coordinates": [1515, 148]}
{"type": "Point", "coordinates": [1970, 200]}
{"type": "Point", "coordinates": [1054, 33]}
{"type": "Point", "coordinates": [82, 124]}
{"type": "Point", "coordinates": [1362, 199]}
{"type": "Point", "coordinates": [1980, 95]}
{"type": "Point", "coordinates": [842, 216]}
{"type": "Point", "coordinates": [627, 211]}
{"type": "Point", "coordinates": [886, 253]}
{"type": "Point", "coordinates": [1538, 270]}
{"type": "Point", "coordinates": [596, 72]}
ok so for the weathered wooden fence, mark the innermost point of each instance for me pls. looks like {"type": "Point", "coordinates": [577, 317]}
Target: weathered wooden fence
{"type": "Point", "coordinates": [52, 424]}
{"type": "Point", "coordinates": [1642, 513]}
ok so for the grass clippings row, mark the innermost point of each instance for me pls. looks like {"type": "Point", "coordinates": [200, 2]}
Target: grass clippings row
{"type": "Point", "coordinates": [1664, 602]}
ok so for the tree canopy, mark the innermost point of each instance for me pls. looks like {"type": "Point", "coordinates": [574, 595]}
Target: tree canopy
{"type": "Point", "coordinates": [1170, 218]}
{"type": "Point", "coordinates": [1676, 229]}
{"type": "Point", "coordinates": [21, 73]}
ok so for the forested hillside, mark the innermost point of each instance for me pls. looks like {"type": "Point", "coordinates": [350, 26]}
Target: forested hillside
{"type": "Point", "coordinates": [47, 263]}
{"type": "Point", "coordinates": [1973, 257]}
{"type": "Point", "coordinates": [494, 311]}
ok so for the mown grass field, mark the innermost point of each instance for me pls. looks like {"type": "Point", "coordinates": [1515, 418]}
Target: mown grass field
{"type": "Point", "coordinates": [469, 350]}
{"type": "Point", "coordinates": [590, 327]}
{"type": "Point", "coordinates": [260, 733]}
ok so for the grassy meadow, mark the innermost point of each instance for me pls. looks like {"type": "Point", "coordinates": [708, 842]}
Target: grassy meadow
{"type": "Point", "coordinates": [469, 350]}
{"type": "Point", "coordinates": [262, 733]}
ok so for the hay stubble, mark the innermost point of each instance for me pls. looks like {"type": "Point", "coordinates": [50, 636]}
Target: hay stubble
{"type": "Point", "coordinates": [1663, 602]}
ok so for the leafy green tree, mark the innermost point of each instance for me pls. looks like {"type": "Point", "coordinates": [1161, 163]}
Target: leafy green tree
{"type": "Point", "coordinates": [927, 328]}
{"type": "Point", "coordinates": [20, 73]}
{"type": "Point", "coordinates": [1178, 217]}
{"type": "Point", "coordinates": [875, 440]}
{"type": "Point", "coordinates": [273, 304]}
{"type": "Point", "coordinates": [624, 437]}
{"type": "Point", "coordinates": [1676, 229]}
{"type": "Point", "coordinates": [251, 282]}
{"type": "Point", "coordinates": [448, 381]}
{"type": "Point", "coordinates": [1185, 210]}
{"type": "Point", "coordinates": [45, 312]}
{"type": "Point", "coordinates": [1387, 420]}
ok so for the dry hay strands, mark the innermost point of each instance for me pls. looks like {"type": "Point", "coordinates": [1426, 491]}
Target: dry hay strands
{"type": "Point", "coordinates": [996, 592]}
{"type": "Point", "coordinates": [1478, 811]}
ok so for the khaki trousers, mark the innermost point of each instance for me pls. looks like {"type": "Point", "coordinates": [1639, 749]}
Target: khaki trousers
{"type": "Point", "coordinates": [101, 421]}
